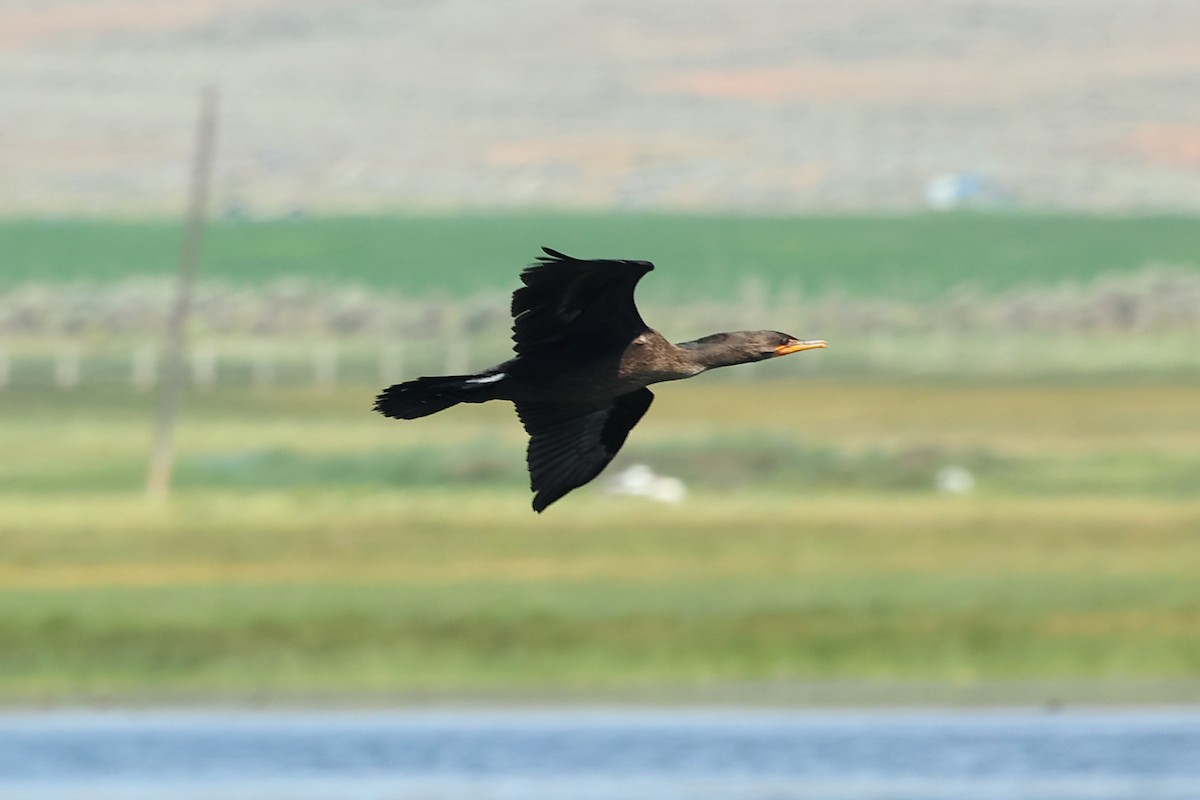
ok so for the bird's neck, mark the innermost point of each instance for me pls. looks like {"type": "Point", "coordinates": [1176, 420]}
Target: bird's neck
{"type": "Point", "coordinates": [711, 352]}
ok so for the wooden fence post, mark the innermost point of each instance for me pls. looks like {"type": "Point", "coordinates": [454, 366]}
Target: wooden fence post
{"type": "Point", "coordinates": [66, 366]}
{"type": "Point", "coordinates": [263, 367]}
{"type": "Point", "coordinates": [325, 366]}
{"type": "Point", "coordinates": [143, 367]}
{"type": "Point", "coordinates": [391, 363]}
{"type": "Point", "coordinates": [204, 367]}
{"type": "Point", "coordinates": [162, 449]}
{"type": "Point", "coordinates": [457, 346]}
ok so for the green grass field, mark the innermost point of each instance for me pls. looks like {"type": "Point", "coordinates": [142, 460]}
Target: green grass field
{"type": "Point", "coordinates": [313, 548]}
{"type": "Point", "coordinates": [699, 257]}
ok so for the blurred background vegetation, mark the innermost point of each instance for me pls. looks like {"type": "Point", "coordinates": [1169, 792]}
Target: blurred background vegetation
{"type": "Point", "coordinates": [974, 484]}
{"type": "Point", "coordinates": [991, 478]}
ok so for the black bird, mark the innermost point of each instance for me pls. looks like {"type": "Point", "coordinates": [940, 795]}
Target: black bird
{"type": "Point", "coordinates": [584, 358]}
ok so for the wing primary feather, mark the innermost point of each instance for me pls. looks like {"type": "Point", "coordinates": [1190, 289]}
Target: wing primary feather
{"type": "Point", "coordinates": [568, 302]}
{"type": "Point", "coordinates": [569, 445]}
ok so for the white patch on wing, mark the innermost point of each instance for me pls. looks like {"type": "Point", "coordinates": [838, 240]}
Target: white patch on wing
{"type": "Point", "coordinates": [488, 379]}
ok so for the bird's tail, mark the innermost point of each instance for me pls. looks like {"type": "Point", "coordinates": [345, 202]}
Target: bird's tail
{"type": "Point", "coordinates": [426, 396]}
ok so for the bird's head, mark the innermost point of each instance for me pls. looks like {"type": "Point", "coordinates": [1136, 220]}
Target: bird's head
{"type": "Point", "coordinates": [743, 347]}
{"type": "Point", "coordinates": [781, 344]}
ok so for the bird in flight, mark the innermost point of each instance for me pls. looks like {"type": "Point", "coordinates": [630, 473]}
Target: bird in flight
{"type": "Point", "coordinates": [584, 358]}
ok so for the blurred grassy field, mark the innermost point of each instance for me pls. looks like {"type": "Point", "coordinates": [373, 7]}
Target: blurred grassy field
{"type": "Point", "coordinates": [916, 256]}
{"type": "Point", "coordinates": [313, 547]}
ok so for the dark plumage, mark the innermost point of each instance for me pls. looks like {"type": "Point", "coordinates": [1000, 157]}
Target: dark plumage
{"type": "Point", "coordinates": [583, 360]}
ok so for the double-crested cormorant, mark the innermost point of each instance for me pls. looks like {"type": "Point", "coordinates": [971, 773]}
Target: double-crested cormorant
{"type": "Point", "coordinates": [584, 358]}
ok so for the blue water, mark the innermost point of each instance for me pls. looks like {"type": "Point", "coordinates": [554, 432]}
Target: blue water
{"type": "Point", "coordinates": [616, 754]}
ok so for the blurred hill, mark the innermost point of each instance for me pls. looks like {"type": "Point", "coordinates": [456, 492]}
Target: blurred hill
{"type": "Point", "coordinates": [762, 106]}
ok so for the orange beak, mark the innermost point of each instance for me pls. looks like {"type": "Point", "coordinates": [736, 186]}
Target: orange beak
{"type": "Point", "coordinates": [796, 345]}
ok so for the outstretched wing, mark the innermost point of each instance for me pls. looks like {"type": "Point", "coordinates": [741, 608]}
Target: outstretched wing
{"type": "Point", "coordinates": [569, 444]}
{"type": "Point", "coordinates": [566, 301]}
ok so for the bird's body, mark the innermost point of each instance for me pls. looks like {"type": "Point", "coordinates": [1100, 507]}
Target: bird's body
{"type": "Point", "coordinates": [563, 376]}
{"type": "Point", "coordinates": [584, 358]}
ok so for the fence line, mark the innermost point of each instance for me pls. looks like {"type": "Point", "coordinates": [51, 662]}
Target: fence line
{"type": "Point", "coordinates": [324, 365]}
{"type": "Point", "coordinates": [1153, 298]}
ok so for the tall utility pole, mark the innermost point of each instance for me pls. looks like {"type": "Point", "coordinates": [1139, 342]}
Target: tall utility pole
{"type": "Point", "coordinates": [162, 454]}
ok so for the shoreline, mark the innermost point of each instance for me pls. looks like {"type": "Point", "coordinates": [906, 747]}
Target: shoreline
{"type": "Point", "coordinates": [1051, 695]}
